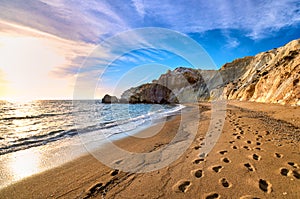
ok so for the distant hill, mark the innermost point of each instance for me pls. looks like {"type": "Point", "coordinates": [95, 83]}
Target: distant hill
{"type": "Point", "coordinates": [271, 77]}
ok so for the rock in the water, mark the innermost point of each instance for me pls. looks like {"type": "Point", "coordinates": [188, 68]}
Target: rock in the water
{"type": "Point", "coordinates": [107, 99]}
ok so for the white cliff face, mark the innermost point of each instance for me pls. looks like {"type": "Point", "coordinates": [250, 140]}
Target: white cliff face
{"type": "Point", "coordinates": [271, 77]}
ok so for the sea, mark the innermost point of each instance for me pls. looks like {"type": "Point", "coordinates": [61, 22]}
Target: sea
{"type": "Point", "coordinates": [47, 133]}
{"type": "Point", "coordinates": [31, 124]}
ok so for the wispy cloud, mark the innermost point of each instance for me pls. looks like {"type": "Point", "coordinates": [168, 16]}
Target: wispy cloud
{"type": "Point", "coordinates": [257, 18]}
{"type": "Point", "coordinates": [76, 20]}
{"type": "Point", "coordinates": [232, 43]}
{"type": "Point", "coordinates": [139, 5]}
{"type": "Point", "coordinates": [93, 21]}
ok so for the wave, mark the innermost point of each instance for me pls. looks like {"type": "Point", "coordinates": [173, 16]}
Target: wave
{"type": "Point", "coordinates": [36, 140]}
{"type": "Point", "coordinates": [108, 128]}
{"type": "Point", "coordinates": [33, 116]}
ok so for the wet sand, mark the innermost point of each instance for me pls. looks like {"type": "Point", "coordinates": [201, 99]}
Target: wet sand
{"type": "Point", "coordinates": [256, 156]}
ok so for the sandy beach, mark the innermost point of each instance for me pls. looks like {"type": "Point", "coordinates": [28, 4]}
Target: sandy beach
{"type": "Point", "coordinates": [256, 156]}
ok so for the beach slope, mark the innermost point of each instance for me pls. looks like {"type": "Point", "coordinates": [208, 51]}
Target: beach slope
{"type": "Point", "coordinates": [256, 156]}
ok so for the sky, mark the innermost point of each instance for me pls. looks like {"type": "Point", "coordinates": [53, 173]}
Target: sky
{"type": "Point", "coordinates": [65, 49]}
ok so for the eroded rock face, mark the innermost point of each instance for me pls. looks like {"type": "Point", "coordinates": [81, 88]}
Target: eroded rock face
{"type": "Point", "coordinates": [178, 86]}
{"type": "Point", "coordinates": [271, 76]}
{"type": "Point", "coordinates": [149, 93]}
{"type": "Point", "coordinates": [107, 99]}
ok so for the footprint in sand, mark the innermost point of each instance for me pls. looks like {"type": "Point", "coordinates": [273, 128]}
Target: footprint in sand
{"type": "Point", "coordinates": [278, 155]}
{"type": "Point", "coordinates": [94, 189]}
{"type": "Point", "coordinates": [198, 161]}
{"type": "Point", "coordinates": [197, 147]}
{"type": "Point", "coordinates": [284, 171]}
{"type": "Point", "coordinates": [265, 186]}
{"type": "Point", "coordinates": [256, 157]}
{"type": "Point", "coordinates": [246, 147]}
{"type": "Point", "coordinates": [118, 161]}
{"type": "Point", "coordinates": [238, 137]}
{"type": "Point", "coordinates": [226, 160]}
{"type": "Point", "coordinates": [202, 155]}
{"type": "Point", "coordinates": [182, 186]}
{"type": "Point", "coordinates": [234, 147]}
{"type": "Point", "coordinates": [225, 183]}
{"type": "Point", "coordinates": [294, 165]}
{"type": "Point", "coordinates": [231, 142]}
{"type": "Point", "coordinates": [249, 167]}
{"type": "Point", "coordinates": [217, 169]}
{"type": "Point", "coordinates": [114, 172]}
{"type": "Point", "coordinates": [223, 152]}
{"type": "Point", "coordinates": [198, 173]}
{"type": "Point", "coordinates": [258, 143]}
{"type": "Point", "coordinates": [296, 174]}
{"type": "Point", "coordinates": [248, 142]}
{"type": "Point", "coordinates": [257, 148]}
{"type": "Point", "coordinates": [212, 196]}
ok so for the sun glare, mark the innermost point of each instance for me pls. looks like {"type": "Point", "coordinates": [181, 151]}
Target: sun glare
{"type": "Point", "coordinates": [25, 64]}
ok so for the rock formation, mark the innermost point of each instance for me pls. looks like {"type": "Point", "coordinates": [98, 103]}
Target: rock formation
{"type": "Point", "coordinates": [271, 76]}
{"type": "Point", "coordinates": [107, 99]}
{"type": "Point", "coordinates": [149, 93]}
{"type": "Point", "coordinates": [169, 88]}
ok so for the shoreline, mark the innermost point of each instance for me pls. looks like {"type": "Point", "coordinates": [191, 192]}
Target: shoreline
{"type": "Point", "coordinates": [55, 154]}
{"type": "Point", "coordinates": [87, 177]}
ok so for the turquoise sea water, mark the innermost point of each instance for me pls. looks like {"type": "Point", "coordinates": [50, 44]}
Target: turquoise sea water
{"type": "Point", "coordinates": [36, 123]}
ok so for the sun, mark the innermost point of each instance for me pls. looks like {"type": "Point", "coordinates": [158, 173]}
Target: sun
{"type": "Point", "coordinates": [25, 65]}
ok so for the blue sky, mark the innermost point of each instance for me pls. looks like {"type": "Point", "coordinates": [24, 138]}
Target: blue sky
{"type": "Point", "coordinates": [65, 32]}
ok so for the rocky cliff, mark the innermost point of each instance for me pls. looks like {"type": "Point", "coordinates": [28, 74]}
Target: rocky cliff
{"type": "Point", "coordinates": [107, 99]}
{"type": "Point", "coordinates": [179, 86]}
{"type": "Point", "coordinates": [271, 76]}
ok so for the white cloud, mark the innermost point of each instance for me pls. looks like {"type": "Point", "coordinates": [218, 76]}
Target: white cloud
{"type": "Point", "coordinates": [75, 20]}
{"type": "Point", "coordinates": [257, 19]}
{"type": "Point", "coordinates": [139, 6]}
{"type": "Point", "coordinates": [96, 20]}
{"type": "Point", "coordinates": [233, 43]}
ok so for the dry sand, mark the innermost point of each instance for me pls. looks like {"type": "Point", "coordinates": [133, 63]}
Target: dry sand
{"type": "Point", "coordinates": [256, 156]}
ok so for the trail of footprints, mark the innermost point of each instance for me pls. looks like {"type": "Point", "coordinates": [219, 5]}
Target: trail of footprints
{"type": "Point", "coordinates": [263, 184]}
{"type": "Point", "coordinates": [291, 169]}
